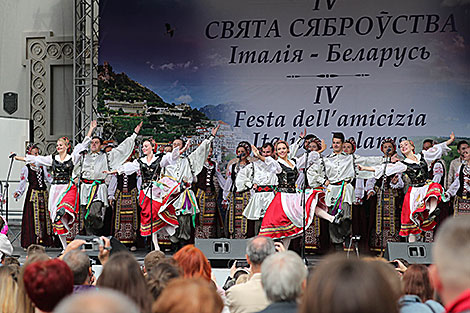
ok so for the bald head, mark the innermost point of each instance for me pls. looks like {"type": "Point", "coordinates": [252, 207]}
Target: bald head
{"type": "Point", "coordinates": [259, 248]}
{"type": "Point", "coordinates": [102, 301]}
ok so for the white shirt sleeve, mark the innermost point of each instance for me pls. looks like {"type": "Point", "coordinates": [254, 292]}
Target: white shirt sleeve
{"type": "Point", "coordinates": [170, 157]}
{"type": "Point", "coordinates": [112, 187]}
{"type": "Point", "coordinates": [243, 180]}
{"type": "Point", "coordinates": [39, 160]}
{"type": "Point", "coordinates": [83, 146]}
{"type": "Point", "coordinates": [121, 153]}
{"type": "Point", "coordinates": [129, 168]}
{"type": "Point", "coordinates": [23, 181]}
{"type": "Point", "coordinates": [437, 172]}
{"type": "Point", "coordinates": [436, 152]}
{"type": "Point", "coordinates": [454, 187]}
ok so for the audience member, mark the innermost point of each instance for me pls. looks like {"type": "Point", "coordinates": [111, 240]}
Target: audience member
{"type": "Point", "coordinates": [450, 274]}
{"type": "Point", "coordinates": [418, 292]}
{"type": "Point", "coordinates": [250, 297]}
{"type": "Point", "coordinates": [6, 249]}
{"type": "Point", "coordinates": [47, 283]}
{"type": "Point", "coordinates": [189, 295]}
{"type": "Point", "coordinates": [23, 301]}
{"type": "Point", "coordinates": [34, 248]}
{"type": "Point", "coordinates": [152, 258]}
{"type": "Point", "coordinates": [79, 264]}
{"type": "Point", "coordinates": [102, 301]}
{"type": "Point", "coordinates": [122, 273]}
{"type": "Point", "coordinates": [160, 275]}
{"type": "Point", "coordinates": [8, 291]}
{"type": "Point", "coordinates": [340, 285]}
{"type": "Point", "coordinates": [193, 262]}
{"type": "Point", "coordinates": [284, 277]}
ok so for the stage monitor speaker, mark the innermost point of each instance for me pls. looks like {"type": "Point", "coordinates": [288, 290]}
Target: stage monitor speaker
{"type": "Point", "coordinates": [414, 253]}
{"type": "Point", "coordinates": [223, 248]}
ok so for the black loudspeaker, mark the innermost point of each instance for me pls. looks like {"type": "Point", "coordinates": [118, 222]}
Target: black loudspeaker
{"type": "Point", "coordinates": [223, 248]}
{"type": "Point", "coordinates": [414, 253]}
{"type": "Point", "coordinates": [10, 102]}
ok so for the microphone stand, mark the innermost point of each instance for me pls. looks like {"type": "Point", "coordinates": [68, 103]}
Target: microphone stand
{"type": "Point", "coordinates": [79, 185]}
{"type": "Point", "coordinates": [304, 205]}
{"type": "Point", "coordinates": [7, 186]}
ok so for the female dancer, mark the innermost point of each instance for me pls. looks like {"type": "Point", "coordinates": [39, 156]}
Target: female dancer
{"type": "Point", "coordinates": [461, 187]}
{"type": "Point", "coordinates": [421, 200]}
{"type": "Point", "coordinates": [235, 199]}
{"type": "Point", "coordinates": [36, 225]}
{"type": "Point", "coordinates": [123, 194]}
{"type": "Point", "coordinates": [155, 192]}
{"type": "Point", "coordinates": [207, 187]}
{"type": "Point", "coordinates": [284, 217]}
{"type": "Point", "coordinates": [62, 207]}
{"type": "Point", "coordinates": [385, 201]}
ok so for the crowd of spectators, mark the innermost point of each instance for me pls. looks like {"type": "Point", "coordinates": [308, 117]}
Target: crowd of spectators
{"type": "Point", "coordinates": [274, 281]}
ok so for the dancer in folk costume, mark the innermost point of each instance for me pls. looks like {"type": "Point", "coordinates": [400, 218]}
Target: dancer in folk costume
{"type": "Point", "coordinates": [235, 201]}
{"type": "Point", "coordinates": [156, 190]}
{"type": "Point", "coordinates": [92, 170]}
{"type": "Point", "coordinates": [460, 188]}
{"type": "Point", "coordinates": [184, 171]}
{"type": "Point", "coordinates": [123, 196]}
{"type": "Point", "coordinates": [340, 170]}
{"type": "Point", "coordinates": [63, 209]}
{"type": "Point", "coordinates": [258, 177]}
{"type": "Point", "coordinates": [386, 199]}
{"type": "Point", "coordinates": [423, 195]}
{"type": "Point", "coordinates": [316, 235]}
{"type": "Point", "coordinates": [207, 188]}
{"type": "Point", "coordinates": [36, 224]}
{"type": "Point", "coordinates": [284, 216]}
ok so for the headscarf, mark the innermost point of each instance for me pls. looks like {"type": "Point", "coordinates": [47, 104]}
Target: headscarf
{"type": "Point", "coordinates": [352, 142]}
{"type": "Point", "coordinates": [30, 148]}
{"type": "Point", "coordinates": [389, 140]}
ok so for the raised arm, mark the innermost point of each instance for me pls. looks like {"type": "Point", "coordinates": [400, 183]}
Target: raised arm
{"type": "Point", "coordinates": [39, 160]}
{"type": "Point", "coordinates": [23, 181]}
{"type": "Point", "coordinates": [437, 151]}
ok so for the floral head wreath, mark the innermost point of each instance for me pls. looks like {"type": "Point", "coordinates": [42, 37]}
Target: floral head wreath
{"type": "Point", "coordinates": [30, 147]}
{"type": "Point", "coordinates": [245, 145]}
{"type": "Point", "coordinates": [351, 141]}
{"type": "Point", "coordinates": [313, 138]}
{"type": "Point", "coordinates": [388, 140]}
{"type": "Point", "coordinates": [67, 143]}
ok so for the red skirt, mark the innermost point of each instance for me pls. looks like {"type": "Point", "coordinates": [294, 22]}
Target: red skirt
{"type": "Point", "coordinates": [276, 223]}
{"type": "Point", "coordinates": [68, 202]}
{"type": "Point", "coordinates": [159, 219]}
{"type": "Point", "coordinates": [415, 216]}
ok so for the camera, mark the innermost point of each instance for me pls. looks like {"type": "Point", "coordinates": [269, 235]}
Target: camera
{"type": "Point", "coordinates": [92, 244]}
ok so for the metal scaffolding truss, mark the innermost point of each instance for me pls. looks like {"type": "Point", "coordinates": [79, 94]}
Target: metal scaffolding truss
{"type": "Point", "coordinates": [85, 66]}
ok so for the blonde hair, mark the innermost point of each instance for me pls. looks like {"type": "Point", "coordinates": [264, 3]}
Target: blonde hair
{"type": "Point", "coordinates": [8, 291]}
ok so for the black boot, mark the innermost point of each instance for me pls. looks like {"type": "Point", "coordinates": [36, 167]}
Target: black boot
{"type": "Point", "coordinates": [59, 214]}
{"type": "Point", "coordinates": [338, 217]}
